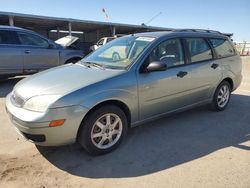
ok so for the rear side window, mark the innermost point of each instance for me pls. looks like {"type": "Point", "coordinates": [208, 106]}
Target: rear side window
{"type": "Point", "coordinates": [222, 47]}
{"type": "Point", "coordinates": [8, 37]}
{"type": "Point", "coordinates": [33, 40]}
{"type": "Point", "coordinates": [199, 49]}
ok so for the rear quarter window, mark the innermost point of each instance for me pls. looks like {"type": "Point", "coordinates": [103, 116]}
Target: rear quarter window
{"type": "Point", "coordinates": [222, 47]}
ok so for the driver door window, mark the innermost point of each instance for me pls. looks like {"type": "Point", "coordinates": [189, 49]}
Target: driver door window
{"type": "Point", "coordinates": [37, 55]}
{"type": "Point", "coordinates": [32, 40]}
{"type": "Point", "coordinates": [169, 52]}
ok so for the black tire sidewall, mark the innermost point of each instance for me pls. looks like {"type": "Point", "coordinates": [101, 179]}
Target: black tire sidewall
{"type": "Point", "coordinates": [84, 136]}
{"type": "Point", "coordinates": [215, 101]}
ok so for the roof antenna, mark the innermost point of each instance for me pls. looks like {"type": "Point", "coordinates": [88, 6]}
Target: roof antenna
{"type": "Point", "coordinates": [155, 16]}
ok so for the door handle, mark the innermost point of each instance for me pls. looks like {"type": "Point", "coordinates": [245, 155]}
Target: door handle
{"type": "Point", "coordinates": [181, 74]}
{"type": "Point", "coordinates": [214, 65]}
{"type": "Point", "coordinates": [27, 51]}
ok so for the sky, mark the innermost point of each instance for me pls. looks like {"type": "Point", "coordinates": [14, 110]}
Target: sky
{"type": "Point", "coordinates": [231, 16]}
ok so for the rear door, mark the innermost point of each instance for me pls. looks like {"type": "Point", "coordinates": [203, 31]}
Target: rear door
{"type": "Point", "coordinates": [11, 56]}
{"type": "Point", "coordinates": [38, 54]}
{"type": "Point", "coordinates": [204, 70]}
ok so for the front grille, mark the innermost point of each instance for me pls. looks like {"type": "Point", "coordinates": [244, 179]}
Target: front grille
{"type": "Point", "coordinates": [17, 100]}
{"type": "Point", "coordinates": [34, 137]}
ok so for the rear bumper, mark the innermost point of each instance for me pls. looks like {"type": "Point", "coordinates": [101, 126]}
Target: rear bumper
{"type": "Point", "coordinates": [34, 126]}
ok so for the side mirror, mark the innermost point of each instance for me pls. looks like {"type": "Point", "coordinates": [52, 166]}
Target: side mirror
{"type": "Point", "coordinates": [51, 46]}
{"type": "Point", "coordinates": [156, 66]}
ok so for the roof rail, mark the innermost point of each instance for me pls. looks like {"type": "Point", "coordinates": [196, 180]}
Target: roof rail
{"type": "Point", "coordinates": [228, 34]}
{"type": "Point", "coordinates": [203, 30]}
{"type": "Point", "coordinates": [197, 30]}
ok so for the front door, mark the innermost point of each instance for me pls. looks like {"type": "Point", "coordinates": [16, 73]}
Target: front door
{"type": "Point", "coordinates": [164, 91]}
{"type": "Point", "coordinates": [37, 54]}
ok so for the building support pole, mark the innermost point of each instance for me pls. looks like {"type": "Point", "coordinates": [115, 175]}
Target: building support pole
{"type": "Point", "coordinates": [113, 31]}
{"type": "Point", "coordinates": [70, 28]}
{"type": "Point", "coordinates": [48, 32]}
{"type": "Point", "coordinates": [11, 20]}
{"type": "Point", "coordinates": [58, 32]}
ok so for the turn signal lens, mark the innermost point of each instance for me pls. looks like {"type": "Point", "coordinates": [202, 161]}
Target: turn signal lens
{"type": "Point", "coordinates": [56, 123]}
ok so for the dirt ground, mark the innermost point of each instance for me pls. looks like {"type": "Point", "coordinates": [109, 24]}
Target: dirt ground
{"type": "Point", "coordinates": [197, 148]}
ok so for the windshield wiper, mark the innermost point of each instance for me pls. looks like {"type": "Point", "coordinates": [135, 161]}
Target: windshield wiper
{"type": "Point", "coordinates": [88, 64]}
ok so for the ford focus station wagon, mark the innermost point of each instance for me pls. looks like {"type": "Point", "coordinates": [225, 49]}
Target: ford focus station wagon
{"type": "Point", "coordinates": [97, 99]}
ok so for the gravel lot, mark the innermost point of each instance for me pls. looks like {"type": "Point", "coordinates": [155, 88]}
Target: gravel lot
{"type": "Point", "coordinates": [197, 148]}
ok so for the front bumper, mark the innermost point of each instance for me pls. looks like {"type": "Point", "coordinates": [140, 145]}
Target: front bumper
{"type": "Point", "coordinates": [34, 126]}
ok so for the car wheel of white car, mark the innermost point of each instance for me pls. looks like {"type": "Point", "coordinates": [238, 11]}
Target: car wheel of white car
{"type": "Point", "coordinates": [116, 56]}
{"type": "Point", "coordinates": [103, 130]}
{"type": "Point", "coordinates": [221, 96]}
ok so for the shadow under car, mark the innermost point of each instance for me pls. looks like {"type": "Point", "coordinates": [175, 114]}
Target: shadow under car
{"type": "Point", "coordinates": [161, 144]}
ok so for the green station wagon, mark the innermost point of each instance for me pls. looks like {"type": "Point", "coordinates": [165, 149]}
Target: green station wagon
{"type": "Point", "coordinates": [97, 99]}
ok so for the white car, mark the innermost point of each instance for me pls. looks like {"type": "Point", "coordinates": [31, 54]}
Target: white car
{"type": "Point", "coordinates": [101, 42]}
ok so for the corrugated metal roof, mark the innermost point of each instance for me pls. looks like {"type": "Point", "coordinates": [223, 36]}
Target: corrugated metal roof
{"type": "Point", "coordinates": [46, 22]}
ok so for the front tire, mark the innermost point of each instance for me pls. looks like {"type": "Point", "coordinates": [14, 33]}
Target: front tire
{"type": "Point", "coordinates": [222, 96]}
{"type": "Point", "coordinates": [103, 130]}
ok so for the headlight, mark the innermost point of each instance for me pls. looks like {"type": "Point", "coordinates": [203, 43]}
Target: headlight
{"type": "Point", "coordinates": [40, 103]}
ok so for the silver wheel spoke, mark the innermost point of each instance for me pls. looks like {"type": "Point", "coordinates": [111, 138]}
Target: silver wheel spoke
{"type": "Point", "coordinates": [226, 96]}
{"type": "Point", "coordinates": [108, 119]}
{"type": "Point", "coordinates": [220, 102]}
{"type": "Point", "coordinates": [110, 139]}
{"type": "Point", "coordinates": [222, 90]}
{"type": "Point", "coordinates": [100, 125]}
{"type": "Point", "coordinates": [115, 132]}
{"type": "Point", "coordinates": [102, 141]}
{"type": "Point", "coordinates": [96, 135]}
{"type": "Point", "coordinates": [225, 89]}
{"type": "Point", "coordinates": [115, 123]}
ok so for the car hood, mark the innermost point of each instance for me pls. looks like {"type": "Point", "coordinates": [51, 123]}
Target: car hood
{"type": "Point", "coordinates": [62, 80]}
{"type": "Point", "coordinates": [66, 41]}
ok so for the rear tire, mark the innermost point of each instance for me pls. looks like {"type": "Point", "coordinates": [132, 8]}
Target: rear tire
{"type": "Point", "coordinates": [222, 96]}
{"type": "Point", "coordinates": [103, 130]}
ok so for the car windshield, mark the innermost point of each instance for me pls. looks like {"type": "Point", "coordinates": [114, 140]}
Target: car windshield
{"type": "Point", "coordinates": [119, 53]}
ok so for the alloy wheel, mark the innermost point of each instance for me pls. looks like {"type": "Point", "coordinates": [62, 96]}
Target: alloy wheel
{"type": "Point", "coordinates": [223, 96]}
{"type": "Point", "coordinates": [106, 131]}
